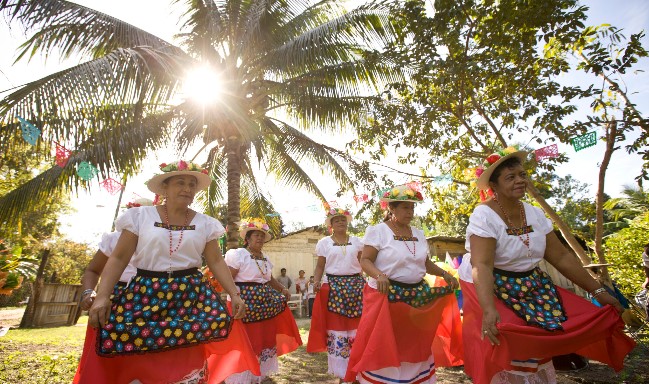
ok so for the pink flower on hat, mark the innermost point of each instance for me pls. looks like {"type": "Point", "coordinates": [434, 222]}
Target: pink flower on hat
{"type": "Point", "coordinates": [478, 171]}
{"type": "Point", "coordinates": [182, 165]}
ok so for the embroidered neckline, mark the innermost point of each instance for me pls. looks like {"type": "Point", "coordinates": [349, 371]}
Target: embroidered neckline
{"type": "Point", "coordinates": [519, 230]}
{"type": "Point", "coordinates": [341, 245]}
{"type": "Point", "coordinates": [173, 227]}
{"type": "Point", "coordinates": [405, 238]}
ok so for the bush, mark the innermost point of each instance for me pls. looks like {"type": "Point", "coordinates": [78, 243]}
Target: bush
{"type": "Point", "coordinates": [624, 251]}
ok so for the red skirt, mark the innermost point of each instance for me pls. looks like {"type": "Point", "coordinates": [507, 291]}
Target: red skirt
{"type": "Point", "coordinates": [596, 333]}
{"type": "Point", "coordinates": [223, 358]}
{"type": "Point", "coordinates": [280, 331]}
{"type": "Point", "coordinates": [392, 333]}
{"type": "Point", "coordinates": [323, 320]}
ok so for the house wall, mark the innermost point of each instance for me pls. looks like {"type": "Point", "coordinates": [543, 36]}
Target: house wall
{"type": "Point", "coordinates": [438, 248]}
{"type": "Point", "coordinates": [294, 252]}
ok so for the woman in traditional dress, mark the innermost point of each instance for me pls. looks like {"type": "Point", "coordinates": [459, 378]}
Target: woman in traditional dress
{"type": "Point", "coordinates": [269, 323]}
{"type": "Point", "coordinates": [339, 293]}
{"type": "Point", "coordinates": [96, 266]}
{"type": "Point", "coordinates": [408, 327]}
{"type": "Point", "coordinates": [167, 325]}
{"type": "Point", "coordinates": [515, 318]}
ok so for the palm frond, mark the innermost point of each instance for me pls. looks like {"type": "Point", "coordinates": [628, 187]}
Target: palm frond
{"type": "Point", "coordinates": [66, 28]}
{"type": "Point", "coordinates": [121, 150]}
{"type": "Point", "coordinates": [64, 104]}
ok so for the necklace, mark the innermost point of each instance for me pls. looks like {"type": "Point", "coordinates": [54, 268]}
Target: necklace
{"type": "Point", "coordinates": [182, 230]}
{"type": "Point", "coordinates": [263, 262]}
{"type": "Point", "coordinates": [526, 239]}
{"type": "Point", "coordinates": [413, 239]}
{"type": "Point", "coordinates": [343, 245]}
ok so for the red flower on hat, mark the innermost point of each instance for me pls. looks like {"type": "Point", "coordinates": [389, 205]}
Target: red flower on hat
{"type": "Point", "coordinates": [419, 196]}
{"type": "Point", "coordinates": [493, 158]}
{"type": "Point", "coordinates": [182, 165]}
{"type": "Point", "coordinates": [387, 194]}
{"type": "Point", "coordinates": [163, 165]}
{"type": "Point", "coordinates": [204, 171]}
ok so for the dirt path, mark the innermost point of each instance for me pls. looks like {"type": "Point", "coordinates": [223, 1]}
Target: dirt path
{"type": "Point", "coordinates": [11, 317]}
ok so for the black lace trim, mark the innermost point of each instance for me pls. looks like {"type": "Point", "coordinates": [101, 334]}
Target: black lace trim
{"type": "Point", "coordinates": [175, 227]}
{"type": "Point", "coordinates": [519, 231]}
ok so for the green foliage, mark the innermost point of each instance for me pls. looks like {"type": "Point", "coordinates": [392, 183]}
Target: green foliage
{"type": "Point", "coordinates": [624, 251]}
{"type": "Point", "coordinates": [67, 261]}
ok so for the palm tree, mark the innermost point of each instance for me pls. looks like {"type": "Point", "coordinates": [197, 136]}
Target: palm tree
{"type": "Point", "coordinates": [634, 202]}
{"type": "Point", "coordinates": [287, 66]}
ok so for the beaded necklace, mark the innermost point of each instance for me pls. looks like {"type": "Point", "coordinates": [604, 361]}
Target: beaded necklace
{"type": "Point", "coordinates": [526, 239]}
{"type": "Point", "coordinates": [413, 251]}
{"type": "Point", "coordinates": [343, 245]}
{"type": "Point", "coordinates": [263, 262]}
{"type": "Point", "coordinates": [180, 240]}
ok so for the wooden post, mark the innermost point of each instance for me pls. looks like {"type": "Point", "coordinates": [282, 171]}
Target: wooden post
{"type": "Point", "coordinates": [28, 316]}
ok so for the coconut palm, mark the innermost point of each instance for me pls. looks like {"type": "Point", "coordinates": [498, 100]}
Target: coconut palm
{"type": "Point", "coordinates": [287, 67]}
{"type": "Point", "coordinates": [633, 203]}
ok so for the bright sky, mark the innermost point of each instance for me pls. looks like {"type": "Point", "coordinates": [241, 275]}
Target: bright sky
{"type": "Point", "coordinates": [96, 207]}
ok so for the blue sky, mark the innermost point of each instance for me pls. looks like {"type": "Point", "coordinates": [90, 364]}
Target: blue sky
{"type": "Point", "coordinates": [96, 207]}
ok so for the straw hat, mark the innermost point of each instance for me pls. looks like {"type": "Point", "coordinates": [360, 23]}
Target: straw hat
{"type": "Point", "coordinates": [140, 202]}
{"type": "Point", "coordinates": [595, 265]}
{"type": "Point", "coordinates": [483, 172]}
{"type": "Point", "coordinates": [254, 224]}
{"type": "Point", "coordinates": [155, 184]}
{"type": "Point", "coordinates": [401, 193]}
{"type": "Point", "coordinates": [333, 212]}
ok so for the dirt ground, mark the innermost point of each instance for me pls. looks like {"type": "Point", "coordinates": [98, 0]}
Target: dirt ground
{"type": "Point", "coordinates": [302, 367]}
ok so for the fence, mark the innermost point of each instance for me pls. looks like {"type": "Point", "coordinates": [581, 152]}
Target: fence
{"type": "Point", "coordinates": [57, 305]}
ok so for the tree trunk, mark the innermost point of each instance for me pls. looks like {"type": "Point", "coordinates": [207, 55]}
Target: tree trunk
{"type": "Point", "coordinates": [563, 227]}
{"type": "Point", "coordinates": [611, 133]}
{"type": "Point", "coordinates": [119, 202]}
{"type": "Point", "coordinates": [28, 316]}
{"type": "Point", "coordinates": [234, 192]}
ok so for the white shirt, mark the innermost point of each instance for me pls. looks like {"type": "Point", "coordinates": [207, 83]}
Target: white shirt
{"type": "Point", "coordinates": [152, 252]}
{"type": "Point", "coordinates": [107, 246]}
{"type": "Point", "coordinates": [250, 270]}
{"type": "Point", "coordinates": [511, 253]}
{"type": "Point", "coordinates": [395, 258]}
{"type": "Point", "coordinates": [340, 260]}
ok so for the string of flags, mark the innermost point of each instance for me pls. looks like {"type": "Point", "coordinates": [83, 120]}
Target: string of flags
{"type": "Point", "coordinates": [85, 170]}
{"type": "Point", "coordinates": [584, 141]}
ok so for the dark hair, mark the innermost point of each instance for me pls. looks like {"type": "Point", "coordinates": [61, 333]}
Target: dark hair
{"type": "Point", "coordinates": [510, 163]}
{"type": "Point", "coordinates": [388, 213]}
{"type": "Point", "coordinates": [283, 269]}
{"type": "Point", "coordinates": [301, 270]}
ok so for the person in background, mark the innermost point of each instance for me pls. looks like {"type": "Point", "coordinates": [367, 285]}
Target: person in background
{"type": "Point", "coordinates": [339, 283]}
{"type": "Point", "coordinates": [167, 325]}
{"type": "Point", "coordinates": [285, 280]}
{"type": "Point", "coordinates": [269, 323]}
{"type": "Point", "coordinates": [310, 295]}
{"type": "Point", "coordinates": [515, 318]}
{"type": "Point", "coordinates": [300, 284]}
{"type": "Point", "coordinates": [96, 266]}
{"type": "Point", "coordinates": [408, 328]}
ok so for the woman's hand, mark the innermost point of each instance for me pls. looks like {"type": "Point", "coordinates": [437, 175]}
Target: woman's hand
{"type": "Point", "coordinates": [286, 294]}
{"type": "Point", "coordinates": [450, 280]}
{"type": "Point", "coordinates": [87, 300]}
{"type": "Point", "coordinates": [490, 318]}
{"type": "Point", "coordinates": [382, 283]}
{"type": "Point", "coordinates": [238, 306]}
{"type": "Point", "coordinates": [316, 286]}
{"type": "Point", "coordinates": [99, 312]}
{"type": "Point", "coordinates": [606, 298]}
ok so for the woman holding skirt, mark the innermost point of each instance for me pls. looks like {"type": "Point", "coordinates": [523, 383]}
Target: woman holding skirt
{"type": "Point", "coordinates": [408, 328]}
{"type": "Point", "coordinates": [167, 325]}
{"type": "Point", "coordinates": [269, 323]}
{"type": "Point", "coordinates": [339, 293]}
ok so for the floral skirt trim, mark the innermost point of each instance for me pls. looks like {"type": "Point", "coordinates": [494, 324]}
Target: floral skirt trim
{"type": "Point", "coordinates": [154, 314]}
{"type": "Point", "coordinates": [339, 347]}
{"type": "Point", "coordinates": [417, 294]}
{"type": "Point", "coordinates": [262, 301]}
{"type": "Point", "coordinates": [532, 296]}
{"type": "Point", "coordinates": [346, 295]}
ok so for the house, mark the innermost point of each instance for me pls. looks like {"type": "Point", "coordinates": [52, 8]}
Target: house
{"type": "Point", "coordinates": [295, 251]}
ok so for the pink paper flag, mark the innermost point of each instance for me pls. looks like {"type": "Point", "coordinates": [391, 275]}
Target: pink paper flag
{"type": "Point", "coordinates": [111, 185]}
{"type": "Point", "coordinates": [62, 155]}
{"type": "Point", "coordinates": [549, 152]}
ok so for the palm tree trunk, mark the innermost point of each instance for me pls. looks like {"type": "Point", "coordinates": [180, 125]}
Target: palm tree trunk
{"type": "Point", "coordinates": [233, 150]}
{"type": "Point", "coordinates": [611, 133]}
{"type": "Point", "coordinates": [563, 227]}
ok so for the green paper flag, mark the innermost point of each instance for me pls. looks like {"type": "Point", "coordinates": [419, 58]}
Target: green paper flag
{"type": "Point", "coordinates": [584, 141]}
